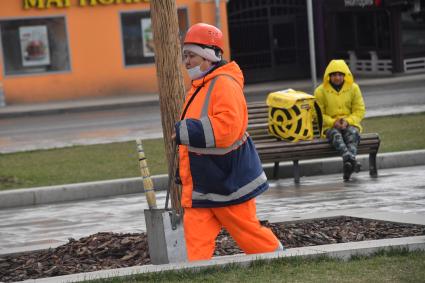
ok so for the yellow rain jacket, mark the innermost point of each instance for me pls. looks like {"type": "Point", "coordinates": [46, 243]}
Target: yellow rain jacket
{"type": "Point", "coordinates": [347, 103]}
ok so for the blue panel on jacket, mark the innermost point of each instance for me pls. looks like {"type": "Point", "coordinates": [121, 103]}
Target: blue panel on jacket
{"type": "Point", "coordinates": [196, 133]}
{"type": "Point", "coordinates": [227, 173]}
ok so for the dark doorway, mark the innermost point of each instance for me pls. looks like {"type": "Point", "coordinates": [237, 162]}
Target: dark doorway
{"type": "Point", "coordinates": [361, 31]}
{"type": "Point", "coordinates": [269, 38]}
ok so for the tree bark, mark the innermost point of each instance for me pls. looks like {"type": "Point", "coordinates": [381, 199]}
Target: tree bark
{"type": "Point", "coordinates": [168, 60]}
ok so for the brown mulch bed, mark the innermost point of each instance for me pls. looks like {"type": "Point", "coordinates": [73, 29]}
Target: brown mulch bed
{"type": "Point", "coordinates": [112, 250]}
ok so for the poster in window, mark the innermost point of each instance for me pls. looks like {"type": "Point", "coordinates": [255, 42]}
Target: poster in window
{"type": "Point", "coordinates": [34, 46]}
{"type": "Point", "coordinates": [147, 37]}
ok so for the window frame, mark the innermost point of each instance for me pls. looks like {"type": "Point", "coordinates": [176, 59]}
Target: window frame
{"type": "Point", "coordinates": [143, 11]}
{"type": "Point", "coordinates": [38, 73]}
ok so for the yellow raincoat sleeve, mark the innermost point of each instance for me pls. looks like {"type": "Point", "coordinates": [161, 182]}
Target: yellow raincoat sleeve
{"type": "Point", "coordinates": [357, 108]}
{"type": "Point", "coordinates": [328, 121]}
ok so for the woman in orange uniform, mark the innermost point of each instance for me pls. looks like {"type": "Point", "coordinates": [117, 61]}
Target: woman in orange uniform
{"type": "Point", "coordinates": [220, 171]}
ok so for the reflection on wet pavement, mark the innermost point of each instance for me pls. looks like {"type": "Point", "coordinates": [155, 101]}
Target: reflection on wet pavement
{"type": "Point", "coordinates": [399, 190]}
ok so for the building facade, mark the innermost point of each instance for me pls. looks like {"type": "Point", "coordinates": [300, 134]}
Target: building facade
{"type": "Point", "coordinates": [269, 38]}
{"type": "Point", "coordinates": [374, 36]}
{"type": "Point", "coordinates": [68, 49]}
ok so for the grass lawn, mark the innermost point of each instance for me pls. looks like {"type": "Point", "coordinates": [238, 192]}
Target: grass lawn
{"type": "Point", "coordinates": [78, 164]}
{"type": "Point", "coordinates": [395, 266]}
{"type": "Point", "coordinates": [398, 133]}
{"type": "Point", "coordinates": [119, 160]}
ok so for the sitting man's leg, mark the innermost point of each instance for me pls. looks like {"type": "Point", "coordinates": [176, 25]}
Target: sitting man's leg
{"type": "Point", "coordinates": [351, 138]}
{"type": "Point", "coordinates": [335, 138]}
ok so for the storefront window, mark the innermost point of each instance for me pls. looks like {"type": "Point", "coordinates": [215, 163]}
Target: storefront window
{"type": "Point", "coordinates": [366, 30]}
{"type": "Point", "coordinates": [345, 28]}
{"type": "Point", "coordinates": [362, 31]}
{"type": "Point", "coordinates": [36, 45]}
{"type": "Point", "coordinates": [413, 32]}
{"type": "Point", "coordinates": [137, 36]}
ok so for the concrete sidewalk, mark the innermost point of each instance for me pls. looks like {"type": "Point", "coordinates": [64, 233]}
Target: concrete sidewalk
{"type": "Point", "coordinates": [116, 102]}
{"type": "Point", "coordinates": [397, 196]}
{"type": "Point", "coordinates": [126, 118]}
{"type": "Point", "coordinates": [102, 189]}
{"type": "Point", "coordinates": [396, 190]}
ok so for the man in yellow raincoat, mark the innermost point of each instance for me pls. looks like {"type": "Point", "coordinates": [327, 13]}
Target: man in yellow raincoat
{"type": "Point", "coordinates": [343, 109]}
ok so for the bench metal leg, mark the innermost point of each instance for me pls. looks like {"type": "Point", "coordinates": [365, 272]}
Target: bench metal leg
{"type": "Point", "coordinates": [373, 170]}
{"type": "Point", "coordinates": [276, 170]}
{"type": "Point", "coordinates": [296, 172]}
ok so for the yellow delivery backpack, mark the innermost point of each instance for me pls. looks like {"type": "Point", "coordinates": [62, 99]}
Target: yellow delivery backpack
{"type": "Point", "coordinates": [291, 115]}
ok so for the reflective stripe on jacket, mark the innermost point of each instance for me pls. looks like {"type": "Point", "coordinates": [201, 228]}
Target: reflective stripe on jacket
{"type": "Point", "coordinates": [219, 165]}
{"type": "Point", "coordinates": [347, 103]}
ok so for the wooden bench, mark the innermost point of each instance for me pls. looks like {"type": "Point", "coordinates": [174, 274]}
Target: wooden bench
{"type": "Point", "coordinates": [273, 150]}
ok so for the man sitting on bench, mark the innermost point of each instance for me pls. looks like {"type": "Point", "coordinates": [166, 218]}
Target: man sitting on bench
{"type": "Point", "coordinates": [342, 105]}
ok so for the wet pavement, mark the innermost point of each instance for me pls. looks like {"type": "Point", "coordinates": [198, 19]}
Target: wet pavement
{"type": "Point", "coordinates": [397, 190]}
{"type": "Point", "coordinates": [117, 119]}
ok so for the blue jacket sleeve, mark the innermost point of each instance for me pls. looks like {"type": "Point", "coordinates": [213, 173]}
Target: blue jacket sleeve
{"type": "Point", "coordinates": [195, 132]}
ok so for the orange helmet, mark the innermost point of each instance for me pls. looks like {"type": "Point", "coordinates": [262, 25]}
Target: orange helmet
{"type": "Point", "coordinates": [205, 34]}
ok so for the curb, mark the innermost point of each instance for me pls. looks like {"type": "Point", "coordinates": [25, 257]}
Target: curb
{"type": "Point", "coordinates": [117, 102]}
{"type": "Point", "coordinates": [100, 189]}
{"type": "Point", "coordinates": [306, 85]}
{"type": "Point", "coordinates": [333, 165]}
{"type": "Point", "coordinates": [342, 251]}
{"type": "Point", "coordinates": [77, 191]}
{"type": "Point", "coordinates": [78, 106]}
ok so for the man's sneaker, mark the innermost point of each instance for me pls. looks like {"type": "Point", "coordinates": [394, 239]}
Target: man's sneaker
{"type": "Point", "coordinates": [347, 170]}
{"type": "Point", "coordinates": [356, 167]}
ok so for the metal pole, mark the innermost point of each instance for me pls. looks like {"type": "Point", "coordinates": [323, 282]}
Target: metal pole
{"type": "Point", "coordinates": [311, 43]}
{"type": "Point", "coordinates": [2, 101]}
{"type": "Point", "coordinates": [217, 14]}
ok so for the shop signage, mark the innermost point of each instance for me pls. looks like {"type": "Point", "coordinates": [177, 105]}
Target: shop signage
{"type": "Point", "coordinates": [46, 4]}
{"type": "Point", "coordinates": [362, 3]}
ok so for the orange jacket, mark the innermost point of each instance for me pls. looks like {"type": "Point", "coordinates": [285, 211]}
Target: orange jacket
{"type": "Point", "coordinates": [219, 165]}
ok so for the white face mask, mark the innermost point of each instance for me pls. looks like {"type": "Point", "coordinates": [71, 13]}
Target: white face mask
{"type": "Point", "coordinates": [195, 72]}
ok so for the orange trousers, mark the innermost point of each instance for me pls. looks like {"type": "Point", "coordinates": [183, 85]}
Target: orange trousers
{"type": "Point", "coordinates": [202, 225]}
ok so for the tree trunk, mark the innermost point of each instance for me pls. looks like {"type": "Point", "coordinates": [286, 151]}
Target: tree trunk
{"type": "Point", "coordinates": [168, 60]}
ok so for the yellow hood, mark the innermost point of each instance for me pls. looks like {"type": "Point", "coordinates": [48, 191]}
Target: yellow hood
{"type": "Point", "coordinates": [338, 66]}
